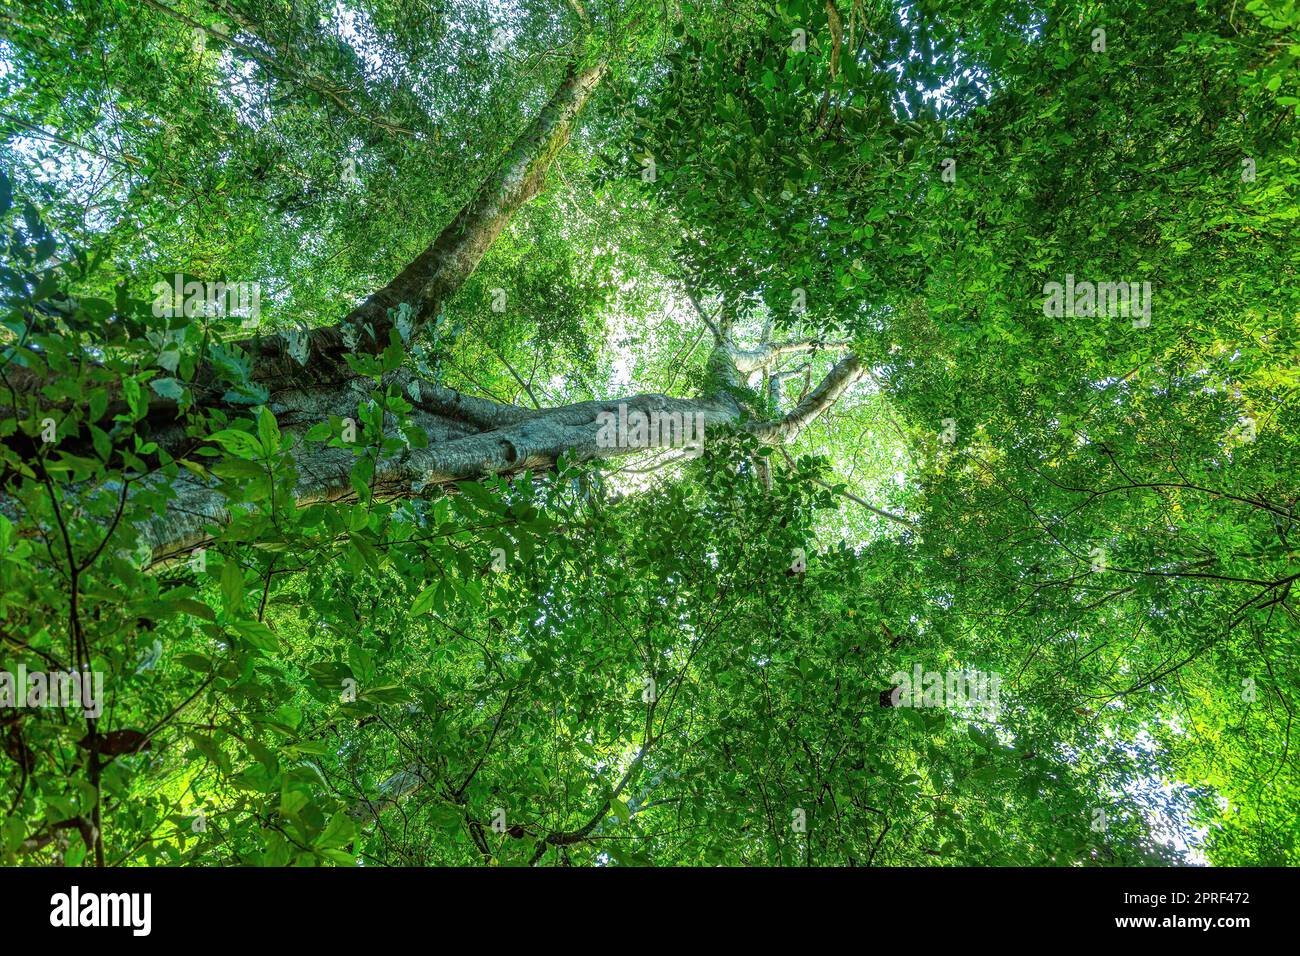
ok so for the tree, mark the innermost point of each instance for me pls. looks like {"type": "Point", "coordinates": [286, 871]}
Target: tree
{"type": "Point", "coordinates": [427, 580]}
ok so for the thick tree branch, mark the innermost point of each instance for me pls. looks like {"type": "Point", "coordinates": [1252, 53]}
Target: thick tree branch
{"type": "Point", "coordinates": [749, 360]}
{"type": "Point", "coordinates": [428, 281]}
{"type": "Point", "coordinates": [826, 394]}
{"type": "Point", "coordinates": [469, 439]}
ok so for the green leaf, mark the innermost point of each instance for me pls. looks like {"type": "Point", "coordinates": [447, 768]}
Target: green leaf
{"type": "Point", "coordinates": [425, 599]}
{"type": "Point", "coordinates": [238, 443]}
{"type": "Point", "coordinates": [268, 430]}
{"type": "Point", "coordinates": [168, 388]}
{"type": "Point", "coordinates": [257, 634]}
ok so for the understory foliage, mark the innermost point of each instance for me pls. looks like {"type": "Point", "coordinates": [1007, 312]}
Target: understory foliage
{"type": "Point", "coordinates": [628, 662]}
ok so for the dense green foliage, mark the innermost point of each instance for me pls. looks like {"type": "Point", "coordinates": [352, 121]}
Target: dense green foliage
{"type": "Point", "coordinates": [617, 664]}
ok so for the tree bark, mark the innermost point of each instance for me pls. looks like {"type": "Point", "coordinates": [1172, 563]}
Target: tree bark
{"type": "Point", "coordinates": [469, 438]}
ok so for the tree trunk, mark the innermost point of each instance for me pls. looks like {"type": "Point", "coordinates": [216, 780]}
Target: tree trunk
{"type": "Point", "coordinates": [439, 271]}
{"type": "Point", "coordinates": [469, 438]}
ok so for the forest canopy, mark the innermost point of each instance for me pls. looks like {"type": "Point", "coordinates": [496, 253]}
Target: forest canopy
{"type": "Point", "coordinates": [578, 432]}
